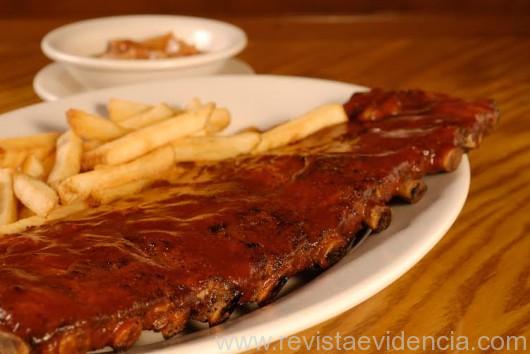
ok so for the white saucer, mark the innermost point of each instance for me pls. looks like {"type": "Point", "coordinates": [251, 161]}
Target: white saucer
{"type": "Point", "coordinates": [53, 81]}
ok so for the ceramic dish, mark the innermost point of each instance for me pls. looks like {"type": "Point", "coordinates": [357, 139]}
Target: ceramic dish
{"type": "Point", "coordinates": [53, 82]}
{"type": "Point", "coordinates": [264, 101]}
{"type": "Point", "coordinates": [77, 45]}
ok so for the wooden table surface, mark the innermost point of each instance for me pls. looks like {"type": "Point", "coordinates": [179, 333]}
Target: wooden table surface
{"type": "Point", "coordinates": [476, 281]}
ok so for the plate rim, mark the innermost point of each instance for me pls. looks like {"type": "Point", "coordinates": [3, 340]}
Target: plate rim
{"type": "Point", "coordinates": [47, 95]}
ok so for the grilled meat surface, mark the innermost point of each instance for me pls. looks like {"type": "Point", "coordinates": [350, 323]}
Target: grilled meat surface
{"type": "Point", "coordinates": [228, 233]}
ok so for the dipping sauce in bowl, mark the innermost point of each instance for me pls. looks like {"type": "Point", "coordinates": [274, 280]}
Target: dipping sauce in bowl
{"type": "Point", "coordinates": [159, 47]}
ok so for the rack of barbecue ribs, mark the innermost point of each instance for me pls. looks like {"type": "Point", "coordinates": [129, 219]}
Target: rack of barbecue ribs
{"type": "Point", "coordinates": [228, 233]}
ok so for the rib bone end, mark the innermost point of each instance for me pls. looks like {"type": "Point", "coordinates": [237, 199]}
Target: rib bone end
{"type": "Point", "coordinates": [379, 218]}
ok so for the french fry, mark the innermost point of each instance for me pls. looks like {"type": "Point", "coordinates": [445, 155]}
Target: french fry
{"type": "Point", "coordinates": [211, 148]}
{"type": "Point", "coordinates": [121, 109]}
{"type": "Point", "coordinates": [31, 221]}
{"type": "Point", "coordinates": [67, 158]}
{"type": "Point", "coordinates": [12, 158]}
{"type": "Point", "coordinates": [150, 116]}
{"type": "Point", "coordinates": [79, 187]}
{"type": "Point", "coordinates": [299, 128]}
{"type": "Point", "coordinates": [30, 141]}
{"type": "Point", "coordinates": [35, 194]}
{"type": "Point", "coordinates": [25, 212]}
{"type": "Point", "coordinates": [194, 104]}
{"type": "Point", "coordinates": [33, 167]}
{"type": "Point", "coordinates": [22, 225]}
{"type": "Point", "coordinates": [140, 142]}
{"type": "Point", "coordinates": [108, 195]}
{"type": "Point", "coordinates": [66, 210]}
{"type": "Point", "coordinates": [219, 120]}
{"type": "Point", "coordinates": [91, 144]}
{"type": "Point", "coordinates": [48, 162]}
{"type": "Point", "coordinates": [250, 129]}
{"type": "Point", "coordinates": [92, 127]}
{"type": "Point", "coordinates": [41, 152]}
{"type": "Point", "coordinates": [8, 203]}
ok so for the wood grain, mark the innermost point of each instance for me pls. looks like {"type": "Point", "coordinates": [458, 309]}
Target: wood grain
{"type": "Point", "coordinates": [476, 281]}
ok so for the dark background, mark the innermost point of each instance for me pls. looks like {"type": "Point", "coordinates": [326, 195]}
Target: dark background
{"type": "Point", "coordinates": [92, 8]}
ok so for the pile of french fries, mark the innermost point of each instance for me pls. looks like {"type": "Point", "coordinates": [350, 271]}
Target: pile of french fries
{"type": "Point", "coordinates": [99, 159]}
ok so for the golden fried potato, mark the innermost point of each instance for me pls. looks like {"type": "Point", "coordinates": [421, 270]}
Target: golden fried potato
{"type": "Point", "coordinates": [67, 157]}
{"type": "Point", "coordinates": [79, 187]}
{"type": "Point", "coordinates": [142, 141]}
{"type": "Point", "coordinates": [211, 148]}
{"type": "Point", "coordinates": [8, 203]}
{"type": "Point", "coordinates": [92, 127]}
{"type": "Point", "coordinates": [35, 194]}
{"type": "Point", "coordinates": [151, 116]}
{"type": "Point", "coordinates": [121, 109]}
{"type": "Point", "coordinates": [301, 127]}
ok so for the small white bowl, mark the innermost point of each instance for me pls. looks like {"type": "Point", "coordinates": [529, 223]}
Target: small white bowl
{"type": "Point", "coordinates": [76, 46]}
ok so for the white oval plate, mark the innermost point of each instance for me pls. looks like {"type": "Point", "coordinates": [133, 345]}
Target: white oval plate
{"type": "Point", "coordinates": [264, 101]}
